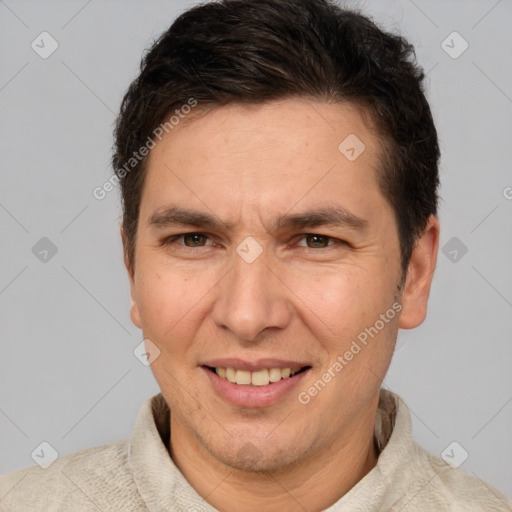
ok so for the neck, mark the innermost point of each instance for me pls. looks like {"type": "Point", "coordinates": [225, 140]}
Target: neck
{"type": "Point", "coordinates": [313, 484]}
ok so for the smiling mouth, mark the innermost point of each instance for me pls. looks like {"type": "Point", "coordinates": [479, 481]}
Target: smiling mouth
{"type": "Point", "coordinates": [262, 377]}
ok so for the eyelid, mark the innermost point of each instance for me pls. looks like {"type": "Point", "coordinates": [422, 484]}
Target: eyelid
{"type": "Point", "coordinates": [335, 241]}
{"type": "Point", "coordinates": [168, 241]}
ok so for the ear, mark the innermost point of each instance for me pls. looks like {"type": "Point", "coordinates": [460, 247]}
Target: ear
{"type": "Point", "coordinates": [134, 308]}
{"type": "Point", "coordinates": [419, 277]}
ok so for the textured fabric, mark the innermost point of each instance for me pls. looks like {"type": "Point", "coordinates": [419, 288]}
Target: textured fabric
{"type": "Point", "coordinates": [138, 474]}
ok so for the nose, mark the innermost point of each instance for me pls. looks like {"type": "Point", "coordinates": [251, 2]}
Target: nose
{"type": "Point", "coordinates": [252, 298]}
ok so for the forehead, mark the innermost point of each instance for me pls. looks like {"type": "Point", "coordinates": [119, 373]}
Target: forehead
{"type": "Point", "coordinates": [269, 156]}
{"type": "Point", "coordinates": [294, 124]}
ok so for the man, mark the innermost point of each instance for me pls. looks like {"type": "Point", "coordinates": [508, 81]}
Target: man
{"type": "Point", "coordinates": [278, 167]}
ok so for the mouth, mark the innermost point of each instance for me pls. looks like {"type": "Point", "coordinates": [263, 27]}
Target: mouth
{"type": "Point", "coordinates": [262, 377]}
{"type": "Point", "coordinates": [254, 385]}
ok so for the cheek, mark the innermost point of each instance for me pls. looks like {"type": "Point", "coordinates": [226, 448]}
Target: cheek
{"type": "Point", "coordinates": [342, 298]}
{"type": "Point", "coordinates": [343, 306]}
{"type": "Point", "coordinates": [166, 301]}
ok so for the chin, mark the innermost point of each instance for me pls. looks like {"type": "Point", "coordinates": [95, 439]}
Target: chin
{"type": "Point", "coordinates": [259, 456]}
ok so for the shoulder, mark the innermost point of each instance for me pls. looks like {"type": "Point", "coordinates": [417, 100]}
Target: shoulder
{"type": "Point", "coordinates": [419, 480]}
{"type": "Point", "coordinates": [443, 487]}
{"type": "Point", "coordinates": [94, 478]}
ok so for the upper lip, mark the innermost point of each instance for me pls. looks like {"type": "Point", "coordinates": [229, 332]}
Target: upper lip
{"type": "Point", "coordinates": [255, 365]}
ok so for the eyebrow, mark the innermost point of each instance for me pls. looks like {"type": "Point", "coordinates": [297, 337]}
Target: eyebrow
{"type": "Point", "coordinates": [327, 216]}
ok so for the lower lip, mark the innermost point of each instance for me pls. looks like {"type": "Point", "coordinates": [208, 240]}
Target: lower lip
{"type": "Point", "coordinates": [254, 396]}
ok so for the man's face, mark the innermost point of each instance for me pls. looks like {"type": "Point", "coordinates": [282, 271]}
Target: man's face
{"type": "Point", "coordinates": [252, 293]}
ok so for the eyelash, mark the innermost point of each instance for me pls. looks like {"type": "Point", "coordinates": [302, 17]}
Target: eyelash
{"type": "Point", "coordinates": [172, 239]}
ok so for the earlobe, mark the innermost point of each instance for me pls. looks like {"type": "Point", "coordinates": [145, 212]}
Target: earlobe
{"type": "Point", "coordinates": [135, 314]}
{"type": "Point", "coordinates": [420, 273]}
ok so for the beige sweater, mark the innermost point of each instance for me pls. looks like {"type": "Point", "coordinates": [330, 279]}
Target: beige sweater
{"type": "Point", "coordinates": [138, 474]}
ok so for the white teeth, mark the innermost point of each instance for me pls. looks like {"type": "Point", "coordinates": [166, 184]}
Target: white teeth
{"type": "Point", "coordinates": [243, 377]}
{"type": "Point", "coordinates": [258, 378]}
{"type": "Point", "coordinates": [231, 375]}
{"type": "Point", "coordinates": [274, 374]}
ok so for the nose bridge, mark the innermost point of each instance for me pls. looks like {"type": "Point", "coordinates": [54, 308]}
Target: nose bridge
{"type": "Point", "coordinates": [252, 298]}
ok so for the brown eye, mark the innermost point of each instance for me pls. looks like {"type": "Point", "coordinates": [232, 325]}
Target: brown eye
{"type": "Point", "coordinates": [194, 238]}
{"type": "Point", "coordinates": [318, 241]}
{"type": "Point", "coordinates": [187, 240]}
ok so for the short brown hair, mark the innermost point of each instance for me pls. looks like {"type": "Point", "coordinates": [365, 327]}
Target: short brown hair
{"type": "Point", "coordinates": [253, 51]}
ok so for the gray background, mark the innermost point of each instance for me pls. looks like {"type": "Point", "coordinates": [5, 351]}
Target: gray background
{"type": "Point", "coordinates": [68, 375]}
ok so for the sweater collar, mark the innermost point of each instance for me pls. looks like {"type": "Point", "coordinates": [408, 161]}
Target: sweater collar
{"type": "Point", "coordinates": [384, 485]}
